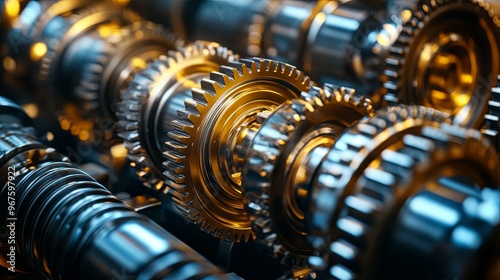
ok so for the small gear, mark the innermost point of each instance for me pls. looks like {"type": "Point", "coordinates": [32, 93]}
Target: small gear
{"type": "Point", "coordinates": [367, 169]}
{"type": "Point", "coordinates": [153, 91]}
{"type": "Point", "coordinates": [444, 58]}
{"type": "Point", "coordinates": [492, 118]}
{"type": "Point", "coordinates": [277, 174]}
{"type": "Point", "coordinates": [196, 163]}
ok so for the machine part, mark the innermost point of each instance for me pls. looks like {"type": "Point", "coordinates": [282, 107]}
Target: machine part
{"type": "Point", "coordinates": [68, 226]}
{"type": "Point", "coordinates": [204, 156]}
{"type": "Point", "coordinates": [346, 44]}
{"type": "Point", "coordinates": [111, 55]}
{"type": "Point", "coordinates": [492, 118]}
{"type": "Point", "coordinates": [381, 163]}
{"type": "Point", "coordinates": [283, 158]}
{"type": "Point", "coordinates": [447, 57]}
{"type": "Point", "coordinates": [153, 98]}
{"type": "Point", "coordinates": [243, 22]}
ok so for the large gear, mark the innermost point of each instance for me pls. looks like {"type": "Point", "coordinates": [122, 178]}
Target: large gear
{"type": "Point", "coordinates": [365, 172]}
{"type": "Point", "coordinates": [281, 161]}
{"type": "Point", "coordinates": [442, 61]}
{"type": "Point", "coordinates": [157, 90]}
{"type": "Point", "coordinates": [205, 187]}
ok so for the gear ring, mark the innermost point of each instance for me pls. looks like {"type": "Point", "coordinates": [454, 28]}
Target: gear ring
{"type": "Point", "coordinates": [194, 167]}
{"type": "Point", "coordinates": [364, 168]}
{"type": "Point", "coordinates": [436, 59]}
{"type": "Point", "coordinates": [143, 100]}
{"type": "Point", "coordinates": [293, 132]}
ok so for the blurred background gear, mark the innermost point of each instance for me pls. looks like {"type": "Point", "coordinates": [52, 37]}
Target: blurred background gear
{"type": "Point", "coordinates": [153, 98]}
{"type": "Point", "coordinates": [204, 155]}
{"type": "Point", "coordinates": [282, 159]}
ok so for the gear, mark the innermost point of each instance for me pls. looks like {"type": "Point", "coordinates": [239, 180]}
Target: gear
{"type": "Point", "coordinates": [439, 56]}
{"type": "Point", "coordinates": [363, 173]}
{"type": "Point", "coordinates": [112, 66]}
{"type": "Point", "coordinates": [196, 166]}
{"type": "Point", "coordinates": [160, 88]}
{"type": "Point", "coordinates": [282, 158]}
{"type": "Point", "coordinates": [493, 116]}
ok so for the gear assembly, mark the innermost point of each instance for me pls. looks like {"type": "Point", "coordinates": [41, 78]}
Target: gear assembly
{"type": "Point", "coordinates": [218, 139]}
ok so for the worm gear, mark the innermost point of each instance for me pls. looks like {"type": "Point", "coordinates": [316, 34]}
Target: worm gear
{"type": "Point", "coordinates": [155, 94]}
{"type": "Point", "coordinates": [365, 174]}
{"type": "Point", "coordinates": [282, 159]}
{"type": "Point", "coordinates": [444, 58]}
{"type": "Point", "coordinates": [202, 161]}
{"type": "Point", "coordinates": [493, 116]}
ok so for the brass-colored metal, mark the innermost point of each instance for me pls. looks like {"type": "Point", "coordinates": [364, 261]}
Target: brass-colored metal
{"type": "Point", "coordinates": [199, 165]}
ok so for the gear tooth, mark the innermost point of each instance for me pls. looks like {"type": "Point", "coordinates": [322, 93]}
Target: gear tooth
{"type": "Point", "coordinates": [191, 109]}
{"type": "Point", "coordinates": [210, 86]}
{"type": "Point", "coordinates": [220, 78]}
{"type": "Point", "coordinates": [182, 124]}
{"type": "Point", "coordinates": [229, 71]}
{"type": "Point", "coordinates": [241, 68]}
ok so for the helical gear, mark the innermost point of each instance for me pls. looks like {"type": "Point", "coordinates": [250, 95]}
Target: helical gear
{"type": "Point", "coordinates": [435, 62]}
{"type": "Point", "coordinates": [283, 146]}
{"type": "Point", "coordinates": [143, 101]}
{"type": "Point", "coordinates": [203, 189]}
{"type": "Point", "coordinates": [366, 172]}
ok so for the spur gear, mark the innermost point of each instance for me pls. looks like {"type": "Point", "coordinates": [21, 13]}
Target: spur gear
{"type": "Point", "coordinates": [446, 57]}
{"type": "Point", "coordinates": [203, 162]}
{"type": "Point", "coordinates": [282, 158]}
{"type": "Point", "coordinates": [367, 175]}
{"type": "Point", "coordinates": [155, 95]}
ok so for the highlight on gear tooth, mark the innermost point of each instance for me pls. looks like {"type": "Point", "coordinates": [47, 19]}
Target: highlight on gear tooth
{"type": "Point", "coordinates": [283, 156]}
{"type": "Point", "coordinates": [154, 95]}
{"type": "Point", "coordinates": [205, 185]}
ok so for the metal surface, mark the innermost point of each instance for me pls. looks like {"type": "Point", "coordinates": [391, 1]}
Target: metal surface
{"type": "Point", "coordinates": [282, 160]}
{"type": "Point", "coordinates": [200, 148]}
{"type": "Point", "coordinates": [153, 98]}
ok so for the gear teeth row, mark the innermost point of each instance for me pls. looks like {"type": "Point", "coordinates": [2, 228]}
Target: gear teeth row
{"type": "Point", "coordinates": [359, 213]}
{"type": "Point", "coordinates": [132, 107]}
{"type": "Point", "coordinates": [269, 145]}
{"type": "Point", "coordinates": [177, 168]}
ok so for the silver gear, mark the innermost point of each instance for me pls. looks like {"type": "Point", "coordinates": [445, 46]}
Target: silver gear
{"type": "Point", "coordinates": [278, 156]}
{"type": "Point", "coordinates": [140, 103]}
{"type": "Point", "coordinates": [195, 171]}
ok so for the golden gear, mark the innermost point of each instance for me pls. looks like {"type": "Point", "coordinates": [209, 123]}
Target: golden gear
{"type": "Point", "coordinates": [440, 60]}
{"type": "Point", "coordinates": [163, 85]}
{"type": "Point", "coordinates": [492, 118]}
{"type": "Point", "coordinates": [282, 158]}
{"type": "Point", "coordinates": [199, 169]}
